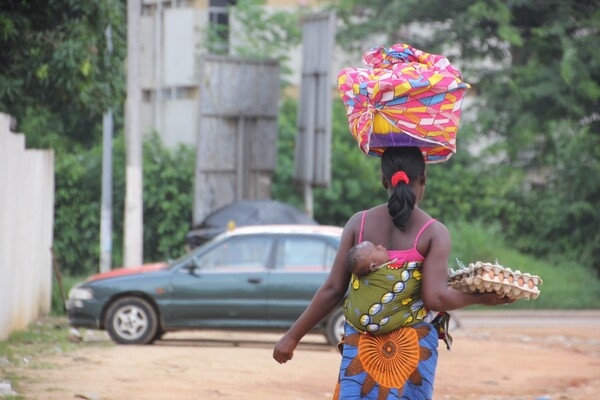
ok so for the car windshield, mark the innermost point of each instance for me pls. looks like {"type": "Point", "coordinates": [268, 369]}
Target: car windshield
{"type": "Point", "coordinates": [187, 257]}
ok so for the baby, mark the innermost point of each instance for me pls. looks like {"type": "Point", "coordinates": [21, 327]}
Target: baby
{"type": "Point", "coordinates": [366, 257]}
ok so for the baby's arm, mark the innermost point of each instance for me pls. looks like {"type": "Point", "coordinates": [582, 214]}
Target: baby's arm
{"type": "Point", "coordinates": [375, 267]}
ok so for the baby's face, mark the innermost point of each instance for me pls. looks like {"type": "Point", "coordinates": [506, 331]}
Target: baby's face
{"type": "Point", "coordinates": [376, 254]}
{"type": "Point", "coordinates": [372, 256]}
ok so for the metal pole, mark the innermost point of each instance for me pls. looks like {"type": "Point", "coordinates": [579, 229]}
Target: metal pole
{"type": "Point", "coordinates": [106, 211]}
{"type": "Point", "coordinates": [133, 224]}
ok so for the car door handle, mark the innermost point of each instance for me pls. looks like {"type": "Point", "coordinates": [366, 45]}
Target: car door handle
{"type": "Point", "coordinates": [254, 280]}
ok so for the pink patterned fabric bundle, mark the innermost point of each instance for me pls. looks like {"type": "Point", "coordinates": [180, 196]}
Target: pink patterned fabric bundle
{"type": "Point", "coordinates": [405, 97]}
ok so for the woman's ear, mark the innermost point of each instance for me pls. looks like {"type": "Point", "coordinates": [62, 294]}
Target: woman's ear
{"type": "Point", "coordinates": [423, 179]}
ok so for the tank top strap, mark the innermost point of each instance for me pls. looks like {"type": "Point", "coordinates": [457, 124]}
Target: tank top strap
{"type": "Point", "coordinates": [362, 225]}
{"type": "Point", "coordinates": [423, 229]}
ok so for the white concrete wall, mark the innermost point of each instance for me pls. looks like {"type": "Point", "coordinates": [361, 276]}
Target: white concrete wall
{"type": "Point", "coordinates": [26, 230]}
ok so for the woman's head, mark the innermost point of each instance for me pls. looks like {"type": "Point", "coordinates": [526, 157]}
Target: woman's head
{"type": "Point", "coordinates": [403, 174]}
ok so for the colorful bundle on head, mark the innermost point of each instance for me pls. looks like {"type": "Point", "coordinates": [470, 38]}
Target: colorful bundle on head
{"type": "Point", "coordinates": [405, 97]}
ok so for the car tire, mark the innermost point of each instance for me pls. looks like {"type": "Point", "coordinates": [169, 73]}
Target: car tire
{"type": "Point", "coordinates": [131, 320]}
{"type": "Point", "coordinates": [334, 329]}
{"type": "Point", "coordinates": [159, 334]}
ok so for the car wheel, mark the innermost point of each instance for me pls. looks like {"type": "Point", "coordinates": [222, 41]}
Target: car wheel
{"type": "Point", "coordinates": [334, 330]}
{"type": "Point", "coordinates": [131, 320]}
{"type": "Point", "coordinates": [159, 334]}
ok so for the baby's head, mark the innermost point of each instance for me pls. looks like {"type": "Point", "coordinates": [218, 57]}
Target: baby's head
{"type": "Point", "coordinates": [365, 257]}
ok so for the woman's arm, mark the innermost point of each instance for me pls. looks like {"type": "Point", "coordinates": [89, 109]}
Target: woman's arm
{"type": "Point", "coordinates": [324, 301]}
{"type": "Point", "coordinates": [436, 293]}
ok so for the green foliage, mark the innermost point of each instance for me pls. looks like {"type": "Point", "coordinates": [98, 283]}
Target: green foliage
{"type": "Point", "coordinates": [55, 63]}
{"type": "Point", "coordinates": [257, 32]}
{"type": "Point", "coordinates": [529, 64]}
{"type": "Point", "coordinates": [284, 188]}
{"type": "Point", "coordinates": [355, 178]}
{"type": "Point", "coordinates": [65, 284]}
{"type": "Point", "coordinates": [168, 192]}
{"type": "Point", "coordinates": [168, 198]}
{"type": "Point", "coordinates": [475, 241]}
{"type": "Point", "coordinates": [566, 283]}
{"type": "Point", "coordinates": [264, 30]}
{"type": "Point", "coordinates": [77, 210]}
{"type": "Point", "coordinates": [536, 76]}
{"type": "Point", "coordinates": [563, 219]}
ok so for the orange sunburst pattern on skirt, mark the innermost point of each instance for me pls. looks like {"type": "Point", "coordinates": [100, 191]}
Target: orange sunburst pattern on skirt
{"type": "Point", "coordinates": [390, 359]}
{"type": "Point", "coordinates": [392, 365]}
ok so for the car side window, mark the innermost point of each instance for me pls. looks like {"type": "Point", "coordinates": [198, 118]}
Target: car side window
{"type": "Point", "coordinates": [239, 252]}
{"type": "Point", "coordinates": [305, 254]}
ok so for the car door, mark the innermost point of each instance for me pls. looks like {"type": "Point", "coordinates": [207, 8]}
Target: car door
{"type": "Point", "coordinates": [227, 287]}
{"type": "Point", "coordinates": [302, 263]}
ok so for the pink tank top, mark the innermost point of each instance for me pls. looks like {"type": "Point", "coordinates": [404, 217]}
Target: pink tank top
{"type": "Point", "coordinates": [403, 256]}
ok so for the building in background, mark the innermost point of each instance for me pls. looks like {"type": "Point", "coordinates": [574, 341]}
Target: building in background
{"type": "Point", "coordinates": [172, 36]}
{"type": "Point", "coordinates": [227, 106]}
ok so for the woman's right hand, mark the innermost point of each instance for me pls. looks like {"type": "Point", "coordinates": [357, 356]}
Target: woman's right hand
{"type": "Point", "coordinates": [493, 299]}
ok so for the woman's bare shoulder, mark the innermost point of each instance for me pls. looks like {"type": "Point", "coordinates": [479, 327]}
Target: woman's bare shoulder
{"type": "Point", "coordinates": [373, 212]}
{"type": "Point", "coordinates": [438, 233]}
{"type": "Point", "coordinates": [355, 222]}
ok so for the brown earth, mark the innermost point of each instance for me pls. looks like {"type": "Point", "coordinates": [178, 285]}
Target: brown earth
{"type": "Point", "coordinates": [495, 356]}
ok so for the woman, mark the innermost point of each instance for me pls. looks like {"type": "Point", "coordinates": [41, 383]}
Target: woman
{"type": "Point", "coordinates": [400, 363]}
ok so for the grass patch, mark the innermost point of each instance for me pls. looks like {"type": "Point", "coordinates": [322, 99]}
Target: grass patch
{"type": "Point", "coordinates": [46, 336]}
{"type": "Point", "coordinates": [567, 284]}
{"type": "Point", "coordinates": [26, 350]}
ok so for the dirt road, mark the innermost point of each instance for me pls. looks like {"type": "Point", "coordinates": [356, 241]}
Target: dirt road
{"type": "Point", "coordinates": [496, 356]}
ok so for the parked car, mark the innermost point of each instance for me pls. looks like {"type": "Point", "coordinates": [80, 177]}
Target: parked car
{"type": "Point", "coordinates": [250, 278]}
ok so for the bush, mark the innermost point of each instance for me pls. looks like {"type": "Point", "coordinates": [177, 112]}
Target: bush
{"type": "Point", "coordinates": [168, 200]}
{"type": "Point", "coordinates": [567, 283]}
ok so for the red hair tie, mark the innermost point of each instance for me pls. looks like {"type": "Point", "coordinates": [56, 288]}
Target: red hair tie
{"type": "Point", "coordinates": [399, 176]}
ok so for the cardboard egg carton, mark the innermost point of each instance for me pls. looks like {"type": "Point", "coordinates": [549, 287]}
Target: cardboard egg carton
{"type": "Point", "coordinates": [486, 277]}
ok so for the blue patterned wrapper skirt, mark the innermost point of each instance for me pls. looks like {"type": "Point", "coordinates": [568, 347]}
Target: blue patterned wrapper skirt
{"type": "Point", "coordinates": [397, 365]}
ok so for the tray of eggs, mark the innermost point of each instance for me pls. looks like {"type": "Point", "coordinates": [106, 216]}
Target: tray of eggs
{"type": "Point", "coordinates": [487, 277]}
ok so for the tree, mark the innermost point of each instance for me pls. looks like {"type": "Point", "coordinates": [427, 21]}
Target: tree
{"type": "Point", "coordinates": [168, 176]}
{"type": "Point", "coordinates": [255, 32]}
{"type": "Point", "coordinates": [535, 70]}
{"type": "Point", "coordinates": [56, 75]}
{"type": "Point", "coordinates": [354, 182]}
{"type": "Point", "coordinates": [532, 63]}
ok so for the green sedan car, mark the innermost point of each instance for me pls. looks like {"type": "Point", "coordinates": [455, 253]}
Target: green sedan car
{"type": "Point", "coordinates": [251, 278]}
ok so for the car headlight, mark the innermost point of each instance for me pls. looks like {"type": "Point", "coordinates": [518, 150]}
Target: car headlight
{"type": "Point", "coordinates": [78, 293]}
